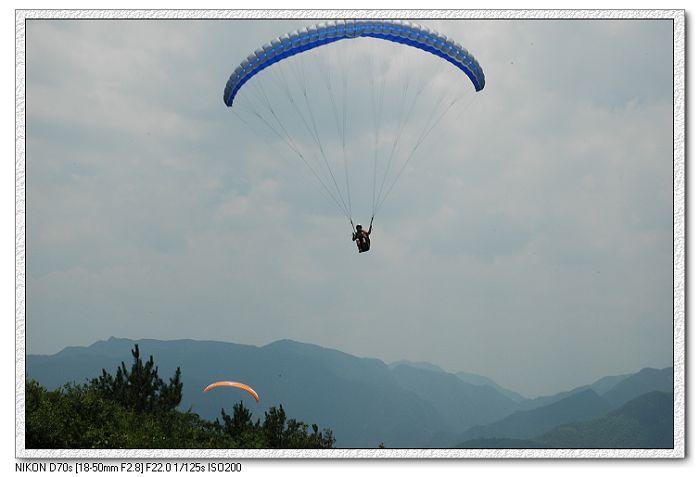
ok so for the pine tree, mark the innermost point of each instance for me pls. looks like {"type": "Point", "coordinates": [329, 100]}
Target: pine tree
{"type": "Point", "coordinates": [140, 389]}
{"type": "Point", "coordinates": [274, 426]}
{"type": "Point", "coordinates": [240, 422]}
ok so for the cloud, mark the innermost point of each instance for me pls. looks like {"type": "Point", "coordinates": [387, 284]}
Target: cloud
{"type": "Point", "coordinates": [525, 240]}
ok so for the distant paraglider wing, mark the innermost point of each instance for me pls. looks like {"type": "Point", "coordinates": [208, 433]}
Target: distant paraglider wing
{"type": "Point", "coordinates": [234, 384]}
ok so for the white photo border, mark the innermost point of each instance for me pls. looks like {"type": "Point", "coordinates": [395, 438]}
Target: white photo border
{"type": "Point", "coordinates": [679, 236]}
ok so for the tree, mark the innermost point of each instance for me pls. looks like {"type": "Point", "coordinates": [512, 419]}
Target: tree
{"type": "Point", "coordinates": [240, 427]}
{"type": "Point", "coordinates": [240, 422]}
{"type": "Point", "coordinates": [273, 427]}
{"type": "Point", "coordinates": [281, 433]}
{"type": "Point", "coordinates": [141, 389]}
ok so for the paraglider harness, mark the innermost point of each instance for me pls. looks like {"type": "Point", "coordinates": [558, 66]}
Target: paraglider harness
{"type": "Point", "coordinates": [362, 237]}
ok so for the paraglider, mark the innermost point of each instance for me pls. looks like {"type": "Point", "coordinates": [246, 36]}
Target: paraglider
{"type": "Point", "coordinates": [415, 104]}
{"type": "Point", "coordinates": [361, 236]}
{"type": "Point", "coordinates": [233, 384]}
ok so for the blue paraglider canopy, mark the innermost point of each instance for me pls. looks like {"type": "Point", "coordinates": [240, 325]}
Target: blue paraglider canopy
{"type": "Point", "coordinates": [324, 33]}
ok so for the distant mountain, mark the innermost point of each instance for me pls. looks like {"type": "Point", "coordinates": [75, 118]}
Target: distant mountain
{"type": "Point", "coordinates": [648, 379]}
{"type": "Point", "coordinates": [645, 422]}
{"type": "Point", "coordinates": [76, 364]}
{"type": "Point", "coordinates": [417, 364]}
{"type": "Point", "coordinates": [582, 403]}
{"type": "Point", "coordinates": [603, 385]}
{"type": "Point", "coordinates": [364, 401]}
{"type": "Point", "coordinates": [469, 378]}
{"type": "Point", "coordinates": [645, 381]}
{"type": "Point", "coordinates": [484, 381]}
{"type": "Point", "coordinates": [460, 404]}
{"type": "Point", "coordinates": [524, 424]}
{"type": "Point", "coordinates": [600, 387]}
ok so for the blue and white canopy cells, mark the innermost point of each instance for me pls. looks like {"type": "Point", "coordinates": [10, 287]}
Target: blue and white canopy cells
{"type": "Point", "coordinates": [324, 33]}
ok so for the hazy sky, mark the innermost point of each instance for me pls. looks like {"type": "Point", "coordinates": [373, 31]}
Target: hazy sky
{"type": "Point", "coordinates": [529, 239]}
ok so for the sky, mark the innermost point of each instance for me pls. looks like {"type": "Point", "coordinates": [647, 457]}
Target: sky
{"type": "Point", "coordinates": [529, 239]}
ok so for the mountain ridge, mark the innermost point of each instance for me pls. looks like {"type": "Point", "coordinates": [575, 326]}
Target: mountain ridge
{"type": "Point", "coordinates": [363, 400]}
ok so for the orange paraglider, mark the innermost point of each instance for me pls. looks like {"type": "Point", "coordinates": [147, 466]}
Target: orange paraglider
{"type": "Point", "coordinates": [234, 384]}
